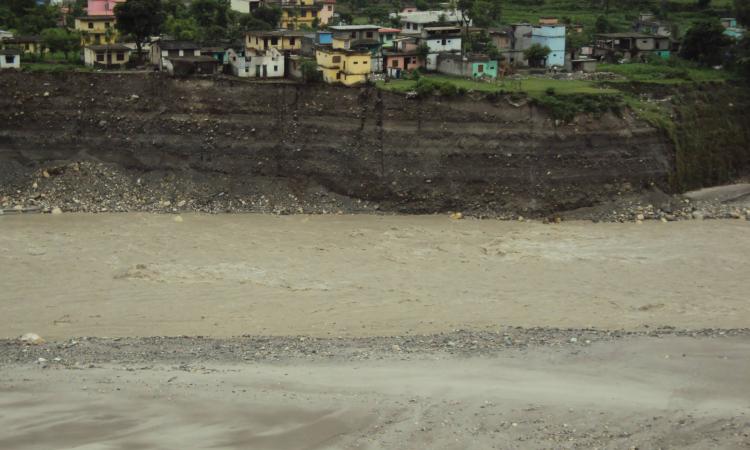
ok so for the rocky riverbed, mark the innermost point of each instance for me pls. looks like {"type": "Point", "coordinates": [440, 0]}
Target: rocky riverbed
{"type": "Point", "coordinates": [96, 187]}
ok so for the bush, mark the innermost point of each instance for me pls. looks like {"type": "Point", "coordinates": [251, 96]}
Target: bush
{"type": "Point", "coordinates": [310, 72]}
{"type": "Point", "coordinates": [566, 107]}
{"type": "Point", "coordinates": [550, 91]}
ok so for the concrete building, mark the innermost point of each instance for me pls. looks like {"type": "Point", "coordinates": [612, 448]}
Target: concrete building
{"type": "Point", "coordinates": [10, 58]}
{"type": "Point", "coordinates": [244, 6]}
{"type": "Point", "coordinates": [387, 35]}
{"type": "Point", "coordinates": [163, 50]}
{"type": "Point", "coordinates": [439, 40]}
{"type": "Point", "coordinates": [26, 44]}
{"type": "Point", "coordinates": [106, 56]}
{"type": "Point", "coordinates": [257, 64]}
{"type": "Point", "coordinates": [361, 37]}
{"type": "Point", "coordinates": [102, 7]}
{"type": "Point", "coordinates": [402, 57]}
{"type": "Point", "coordinates": [183, 66]}
{"type": "Point", "coordinates": [414, 23]}
{"type": "Point", "coordinates": [552, 36]}
{"type": "Point", "coordinates": [306, 14]}
{"type": "Point", "coordinates": [285, 41]}
{"type": "Point", "coordinates": [472, 65]}
{"type": "Point", "coordinates": [631, 46]}
{"type": "Point", "coordinates": [96, 30]}
{"type": "Point", "coordinates": [344, 63]}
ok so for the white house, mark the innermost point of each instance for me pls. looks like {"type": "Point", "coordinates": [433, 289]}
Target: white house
{"type": "Point", "coordinates": [5, 34]}
{"type": "Point", "coordinates": [244, 6]}
{"type": "Point", "coordinates": [10, 58]}
{"type": "Point", "coordinates": [552, 36]}
{"type": "Point", "coordinates": [413, 23]}
{"type": "Point", "coordinates": [257, 64]}
{"type": "Point", "coordinates": [443, 39]}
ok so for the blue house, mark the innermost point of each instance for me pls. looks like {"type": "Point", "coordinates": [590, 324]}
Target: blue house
{"type": "Point", "coordinates": [552, 36]}
{"type": "Point", "coordinates": [324, 37]}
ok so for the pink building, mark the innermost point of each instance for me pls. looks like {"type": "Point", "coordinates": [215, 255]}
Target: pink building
{"type": "Point", "coordinates": [102, 7]}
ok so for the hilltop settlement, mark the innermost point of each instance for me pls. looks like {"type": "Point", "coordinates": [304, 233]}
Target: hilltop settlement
{"type": "Point", "coordinates": [311, 40]}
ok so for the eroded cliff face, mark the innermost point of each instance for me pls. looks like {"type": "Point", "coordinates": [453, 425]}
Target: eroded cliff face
{"type": "Point", "coordinates": [429, 155]}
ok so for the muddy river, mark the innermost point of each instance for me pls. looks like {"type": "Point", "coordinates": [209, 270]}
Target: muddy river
{"type": "Point", "coordinates": [227, 275]}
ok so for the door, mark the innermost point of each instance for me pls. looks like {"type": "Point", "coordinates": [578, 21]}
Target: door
{"type": "Point", "coordinates": [257, 71]}
{"type": "Point", "coordinates": [265, 71]}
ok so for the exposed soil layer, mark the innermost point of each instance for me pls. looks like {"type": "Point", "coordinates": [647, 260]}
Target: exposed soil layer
{"type": "Point", "coordinates": [238, 146]}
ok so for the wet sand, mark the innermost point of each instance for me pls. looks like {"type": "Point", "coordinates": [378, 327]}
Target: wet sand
{"type": "Point", "coordinates": [229, 275]}
{"type": "Point", "coordinates": [674, 392]}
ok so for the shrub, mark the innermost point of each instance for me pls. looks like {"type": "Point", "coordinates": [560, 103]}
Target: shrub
{"type": "Point", "coordinates": [550, 91]}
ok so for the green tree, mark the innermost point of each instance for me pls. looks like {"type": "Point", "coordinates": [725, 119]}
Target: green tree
{"type": "Point", "coordinates": [268, 14]}
{"type": "Point", "coordinates": [422, 51]}
{"type": "Point", "coordinates": [742, 11]}
{"type": "Point", "coordinates": [310, 72]}
{"type": "Point", "coordinates": [486, 13]}
{"type": "Point", "coordinates": [140, 19]}
{"type": "Point", "coordinates": [703, 4]}
{"type": "Point", "coordinates": [603, 25]}
{"type": "Point", "coordinates": [705, 43]}
{"type": "Point", "coordinates": [536, 54]}
{"type": "Point", "coordinates": [182, 29]}
{"type": "Point", "coordinates": [61, 40]}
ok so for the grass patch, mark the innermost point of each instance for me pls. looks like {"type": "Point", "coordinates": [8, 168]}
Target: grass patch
{"type": "Point", "coordinates": [534, 87]}
{"type": "Point", "coordinates": [54, 68]}
{"type": "Point", "coordinates": [666, 73]}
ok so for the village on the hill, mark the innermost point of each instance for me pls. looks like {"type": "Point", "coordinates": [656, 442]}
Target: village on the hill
{"type": "Point", "coordinates": [311, 40]}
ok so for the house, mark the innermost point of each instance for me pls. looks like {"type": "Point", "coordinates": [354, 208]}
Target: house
{"type": "Point", "coordinates": [4, 34]}
{"type": "Point", "coordinates": [402, 57]}
{"type": "Point", "coordinates": [731, 29]}
{"type": "Point", "coordinates": [10, 58]}
{"type": "Point", "coordinates": [306, 14]}
{"type": "Point", "coordinates": [27, 44]}
{"type": "Point", "coordinates": [648, 24]}
{"type": "Point", "coordinates": [440, 40]}
{"type": "Point", "coordinates": [387, 35]}
{"type": "Point", "coordinates": [549, 21]}
{"type": "Point", "coordinates": [501, 38]}
{"type": "Point", "coordinates": [342, 62]}
{"type": "Point", "coordinates": [361, 37]}
{"type": "Point", "coordinates": [728, 22]}
{"type": "Point", "coordinates": [96, 30]}
{"type": "Point", "coordinates": [183, 66]}
{"type": "Point", "coordinates": [218, 52]}
{"type": "Point", "coordinates": [162, 50]}
{"type": "Point", "coordinates": [257, 64]}
{"type": "Point", "coordinates": [585, 65]}
{"type": "Point", "coordinates": [285, 41]}
{"type": "Point", "coordinates": [552, 36]}
{"type": "Point", "coordinates": [106, 56]}
{"type": "Point", "coordinates": [413, 23]}
{"type": "Point", "coordinates": [471, 65]}
{"type": "Point", "coordinates": [244, 6]}
{"type": "Point", "coordinates": [102, 7]}
{"type": "Point", "coordinates": [631, 46]}
{"type": "Point", "coordinates": [311, 40]}
{"type": "Point", "coordinates": [520, 36]}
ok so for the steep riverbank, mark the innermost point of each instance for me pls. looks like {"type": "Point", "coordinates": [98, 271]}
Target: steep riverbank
{"type": "Point", "coordinates": [247, 146]}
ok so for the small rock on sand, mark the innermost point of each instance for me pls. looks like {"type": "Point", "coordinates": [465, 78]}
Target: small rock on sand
{"type": "Point", "coordinates": [32, 339]}
{"type": "Point", "coordinates": [56, 210]}
{"type": "Point", "coordinates": [178, 219]}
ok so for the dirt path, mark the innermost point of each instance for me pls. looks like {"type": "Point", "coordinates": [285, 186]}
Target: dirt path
{"type": "Point", "coordinates": [647, 393]}
{"type": "Point", "coordinates": [229, 275]}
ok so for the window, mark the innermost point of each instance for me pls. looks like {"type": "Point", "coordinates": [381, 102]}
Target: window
{"type": "Point", "coordinates": [100, 57]}
{"type": "Point", "coordinates": [291, 41]}
{"type": "Point", "coordinates": [10, 59]}
{"type": "Point", "coordinates": [120, 56]}
{"type": "Point", "coordinates": [445, 41]}
{"type": "Point", "coordinates": [91, 25]}
{"type": "Point", "coordinates": [369, 34]}
{"type": "Point", "coordinates": [330, 8]}
{"type": "Point", "coordinates": [274, 41]}
{"type": "Point", "coordinates": [394, 63]}
{"type": "Point", "coordinates": [480, 68]}
{"type": "Point", "coordinates": [413, 60]}
{"type": "Point", "coordinates": [106, 24]}
{"type": "Point", "coordinates": [353, 34]}
{"type": "Point", "coordinates": [355, 62]}
{"type": "Point", "coordinates": [338, 75]}
{"type": "Point", "coordinates": [336, 59]}
{"type": "Point", "coordinates": [275, 68]}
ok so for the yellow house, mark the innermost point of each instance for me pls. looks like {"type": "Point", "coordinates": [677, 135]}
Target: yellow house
{"type": "Point", "coordinates": [305, 14]}
{"type": "Point", "coordinates": [342, 64]}
{"type": "Point", "coordinates": [96, 30]}
{"type": "Point", "coordinates": [26, 44]}
{"type": "Point", "coordinates": [281, 40]}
